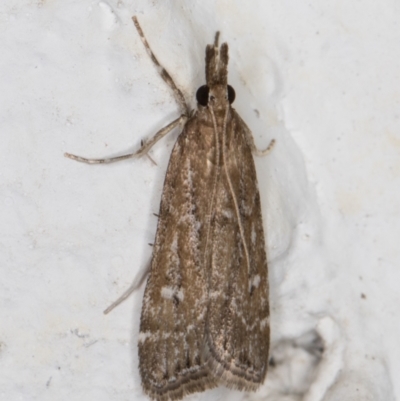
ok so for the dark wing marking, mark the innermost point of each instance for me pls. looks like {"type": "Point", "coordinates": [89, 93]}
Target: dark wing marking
{"type": "Point", "coordinates": [237, 326]}
{"type": "Point", "coordinates": [171, 340]}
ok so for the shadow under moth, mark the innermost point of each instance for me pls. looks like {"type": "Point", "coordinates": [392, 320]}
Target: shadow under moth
{"type": "Point", "coordinates": [205, 314]}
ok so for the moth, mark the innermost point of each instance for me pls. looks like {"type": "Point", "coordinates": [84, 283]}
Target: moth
{"type": "Point", "coordinates": [205, 314]}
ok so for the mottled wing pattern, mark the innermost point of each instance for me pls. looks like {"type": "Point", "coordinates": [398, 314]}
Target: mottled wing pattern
{"type": "Point", "coordinates": [171, 339]}
{"type": "Point", "coordinates": [237, 326]}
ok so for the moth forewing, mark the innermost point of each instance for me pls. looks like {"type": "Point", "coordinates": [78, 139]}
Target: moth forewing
{"type": "Point", "coordinates": [205, 314]}
{"type": "Point", "coordinates": [237, 333]}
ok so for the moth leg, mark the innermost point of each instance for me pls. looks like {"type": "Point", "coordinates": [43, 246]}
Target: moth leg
{"type": "Point", "coordinates": [263, 152]}
{"type": "Point", "coordinates": [162, 71]}
{"type": "Point", "coordinates": [148, 156]}
{"type": "Point", "coordinates": [250, 140]}
{"type": "Point", "coordinates": [136, 284]}
{"type": "Point", "coordinates": [146, 146]}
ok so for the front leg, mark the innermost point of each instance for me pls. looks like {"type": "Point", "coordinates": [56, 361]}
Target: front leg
{"type": "Point", "coordinates": [146, 146]}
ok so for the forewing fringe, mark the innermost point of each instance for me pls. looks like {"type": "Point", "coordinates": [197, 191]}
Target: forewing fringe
{"type": "Point", "coordinates": [231, 375]}
{"type": "Point", "coordinates": [192, 383]}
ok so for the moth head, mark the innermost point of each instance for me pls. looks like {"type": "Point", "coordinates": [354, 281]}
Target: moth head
{"type": "Point", "coordinates": [204, 96]}
{"type": "Point", "coordinates": [217, 91]}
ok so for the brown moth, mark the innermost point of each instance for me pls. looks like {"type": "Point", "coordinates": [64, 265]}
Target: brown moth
{"type": "Point", "coordinates": [205, 314]}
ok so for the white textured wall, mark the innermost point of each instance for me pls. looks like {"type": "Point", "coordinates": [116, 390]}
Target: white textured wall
{"type": "Point", "coordinates": [322, 78]}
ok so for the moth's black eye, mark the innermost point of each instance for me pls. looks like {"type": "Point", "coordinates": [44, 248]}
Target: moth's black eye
{"type": "Point", "coordinates": [202, 95]}
{"type": "Point", "coordinates": [231, 94]}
